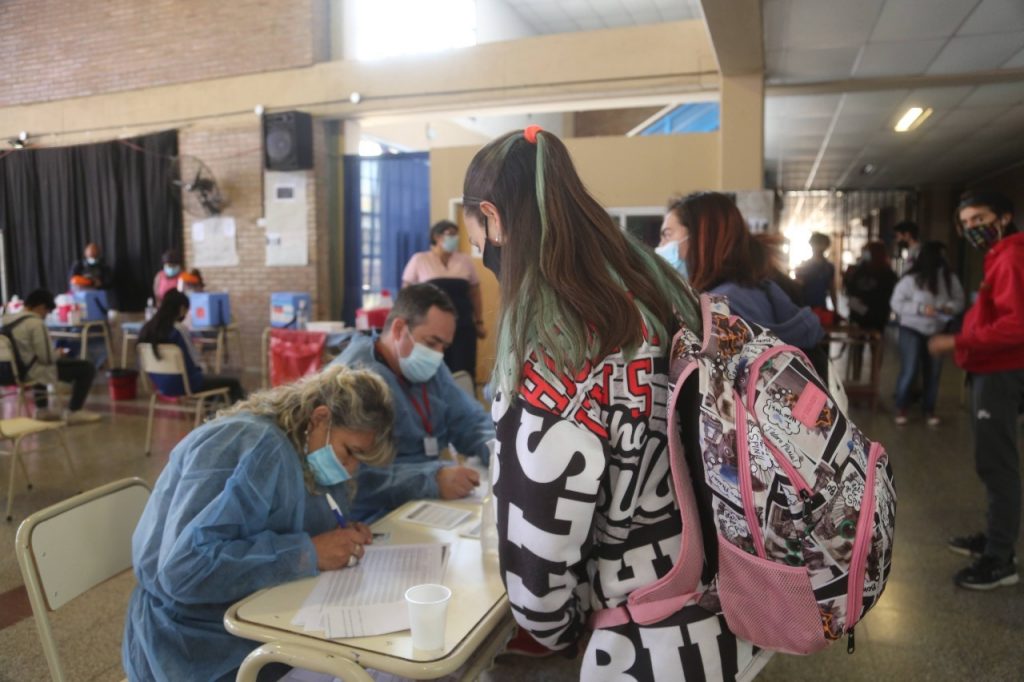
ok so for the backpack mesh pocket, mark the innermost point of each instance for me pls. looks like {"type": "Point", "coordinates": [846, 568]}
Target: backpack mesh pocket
{"type": "Point", "coordinates": [767, 603]}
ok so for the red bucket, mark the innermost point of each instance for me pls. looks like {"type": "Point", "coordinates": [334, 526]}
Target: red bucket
{"type": "Point", "coordinates": [122, 384]}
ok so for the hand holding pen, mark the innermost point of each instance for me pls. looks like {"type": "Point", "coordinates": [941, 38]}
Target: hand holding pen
{"type": "Point", "coordinates": [342, 546]}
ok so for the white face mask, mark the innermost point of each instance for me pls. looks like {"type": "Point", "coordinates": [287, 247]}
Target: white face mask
{"type": "Point", "coordinates": [450, 243]}
{"type": "Point", "coordinates": [421, 364]}
{"type": "Point", "coordinates": [670, 252]}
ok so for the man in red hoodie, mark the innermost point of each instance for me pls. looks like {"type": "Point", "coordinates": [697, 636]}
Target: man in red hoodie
{"type": "Point", "coordinates": [991, 349]}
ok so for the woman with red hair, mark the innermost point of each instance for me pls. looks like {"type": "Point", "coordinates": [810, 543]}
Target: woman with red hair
{"type": "Point", "coordinates": [724, 258]}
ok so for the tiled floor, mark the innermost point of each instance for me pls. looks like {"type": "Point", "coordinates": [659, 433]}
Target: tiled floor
{"type": "Point", "coordinates": [923, 629]}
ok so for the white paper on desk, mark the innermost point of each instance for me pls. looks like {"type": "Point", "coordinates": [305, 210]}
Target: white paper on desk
{"type": "Point", "coordinates": [436, 516]}
{"type": "Point", "coordinates": [369, 599]}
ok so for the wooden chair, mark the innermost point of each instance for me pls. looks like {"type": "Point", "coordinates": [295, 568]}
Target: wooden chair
{"type": "Point", "coordinates": [71, 547]}
{"type": "Point", "coordinates": [16, 430]}
{"type": "Point", "coordinates": [22, 386]}
{"type": "Point", "coordinates": [172, 362]}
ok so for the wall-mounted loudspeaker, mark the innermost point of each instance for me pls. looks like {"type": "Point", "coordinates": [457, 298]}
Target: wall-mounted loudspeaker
{"type": "Point", "coordinates": [288, 141]}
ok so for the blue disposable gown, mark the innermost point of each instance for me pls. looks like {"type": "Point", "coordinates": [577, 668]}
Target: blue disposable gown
{"type": "Point", "coordinates": [230, 515]}
{"type": "Point", "coordinates": [455, 417]}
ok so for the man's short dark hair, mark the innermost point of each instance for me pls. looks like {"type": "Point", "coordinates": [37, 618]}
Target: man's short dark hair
{"type": "Point", "coordinates": [907, 227]}
{"type": "Point", "coordinates": [996, 202]}
{"type": "Point", "coordinates": [415, 301]}
{"type": "Point", "coordinates": [820, 240]}
{"type": "Point", "coordinates": [40, 297]}
{"type": "Point", "coordinates": [440, 227]}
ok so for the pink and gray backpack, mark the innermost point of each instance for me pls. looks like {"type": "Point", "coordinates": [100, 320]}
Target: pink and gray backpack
{"type": "Point", "coordinates": [795, 506]}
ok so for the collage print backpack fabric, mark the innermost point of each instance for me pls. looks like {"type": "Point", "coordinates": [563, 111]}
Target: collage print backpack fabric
{"type": "Point", "coordinates": [803, 504]}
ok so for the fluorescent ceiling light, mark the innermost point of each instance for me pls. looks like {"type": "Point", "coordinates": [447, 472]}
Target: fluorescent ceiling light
{"type": "Point", "coordinates": [914, 117]}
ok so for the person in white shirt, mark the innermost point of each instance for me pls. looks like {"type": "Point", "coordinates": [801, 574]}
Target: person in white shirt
{"type": "Point", "coordinates": [926, 299]}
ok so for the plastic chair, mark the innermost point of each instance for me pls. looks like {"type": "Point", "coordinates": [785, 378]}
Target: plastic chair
{"type": "Point", "coordinates": [74, 545]}
{"type": "Point", "coordinates": [290, 354]}
{"type": "Point", "coordinates": [22, 386]}
{"type": "Point", "coordinates": [16, 430]}
{"type": "Point", "coordinates": [172, 362]}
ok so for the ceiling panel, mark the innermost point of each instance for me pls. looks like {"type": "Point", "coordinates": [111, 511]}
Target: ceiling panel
{"type": "Point", "coordinates": [810, 65]}
{"type": "Point", "coordinates": [873, 102]}
{"type": "Point", "coordinates": [893, 59]}
{"type": "Point", "coordinates": [915, 19]}
{"type": "Point", "coordinates": [806, 24]}
{"type": "Point", "coordinates": [573, 15]}
{"type": "Point", "coordinates": [1015, 62]}
{"type": "Point", "coordinates": [995, 16]}
{"type": "Point", "coordinates": [801, 105]}
{"type": "Point", "coordinates": [977, 53]}
{"type": "Point", "coordinates": [968, 119]}
{"type": "Point", "coordinates": [940, 99]}
{"type": "Point", "coordinates": [995, 94]}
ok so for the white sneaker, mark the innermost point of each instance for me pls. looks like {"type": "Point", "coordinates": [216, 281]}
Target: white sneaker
{"type": "Point", "coordinates": [45, 414]}
{"type": "Point", "coordinates": [934, 421]}
{"type": "Point", "coordinates": [82, 417]}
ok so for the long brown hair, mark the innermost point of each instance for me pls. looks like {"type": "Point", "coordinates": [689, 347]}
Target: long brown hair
{"type": "Point", "coordinates": [721, 247]}
{"type": "Point", "coordinates": [572, 283]}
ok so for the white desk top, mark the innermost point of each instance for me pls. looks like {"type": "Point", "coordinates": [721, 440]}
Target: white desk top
{"type": "Point", "coordinates": [478, 605]}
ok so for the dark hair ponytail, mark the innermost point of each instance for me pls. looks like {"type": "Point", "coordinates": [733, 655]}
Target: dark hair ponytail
{"type": "Point", "coordinates": [158, 329]}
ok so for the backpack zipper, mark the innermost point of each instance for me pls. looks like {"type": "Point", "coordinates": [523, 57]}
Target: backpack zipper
{"type": "Point", "coordinates": [861, 545]}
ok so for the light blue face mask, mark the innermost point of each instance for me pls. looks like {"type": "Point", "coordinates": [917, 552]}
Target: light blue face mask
{"type": "Point", "coordinates": [421, 364]}
{"type": "Point", "coordinates": [450, 243]}
{"type": "Point", "coordinates": [171, 270]}
{"type": "Point", "coordinates": [91, 261]}
{"type": "Point", "coordinates": [327, 470]}
{"type": "Point", "coordinates": [670, 252]}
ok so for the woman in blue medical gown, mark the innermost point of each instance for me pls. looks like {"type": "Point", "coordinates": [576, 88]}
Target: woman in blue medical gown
{"type": "Point", "coordinates": [240, 506]}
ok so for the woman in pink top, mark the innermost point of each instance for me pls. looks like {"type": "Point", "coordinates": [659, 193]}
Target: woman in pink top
{"type": "Point", "coordinates": [167, 278]}
{"type": "Point", "coordinates": [444, 266]}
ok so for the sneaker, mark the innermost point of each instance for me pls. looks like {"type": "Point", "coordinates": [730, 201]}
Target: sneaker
{"type": "Point", "coordinates": [968, 545]}
{"type": "Point", "coordinates": [988, 573]}
{"type": "Point", "coordinates": [901, 419]}
{"type": "Point", "coordinates": [522, 644]}
{"type": "Point", "coordinates": [933, 421]}
{"type": "Point", "coordinates": [82, 417]}
{"type": "Point", "coordinates": [47, 415]}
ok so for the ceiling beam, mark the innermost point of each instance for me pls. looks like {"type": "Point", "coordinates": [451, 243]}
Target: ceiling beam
{"type": "Point", "coordinates": [737, 35]}
{"type": "Point", "coordinates": [895, 83]}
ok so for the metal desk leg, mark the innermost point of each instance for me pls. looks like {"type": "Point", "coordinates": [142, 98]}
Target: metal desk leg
{"type": "Point", "coordinates": [83, 347]}
{"type": "Point", "coordinates": [301, 657]}
{"type": "Point", "coordinates": [110, 350]}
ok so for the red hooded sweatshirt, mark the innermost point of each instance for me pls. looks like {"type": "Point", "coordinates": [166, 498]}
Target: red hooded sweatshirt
{"type": "Point", "coordinates": [992, 339]}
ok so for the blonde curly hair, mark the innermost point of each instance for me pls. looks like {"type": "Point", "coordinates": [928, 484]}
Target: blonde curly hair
{"type": "Point", "coordinates": [357, 398]}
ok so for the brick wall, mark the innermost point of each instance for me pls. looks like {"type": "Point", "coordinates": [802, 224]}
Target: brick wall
{"type": "Point", "coordinates": [57, 49]}
{"type": "Point", "coordinates": [234, 156]}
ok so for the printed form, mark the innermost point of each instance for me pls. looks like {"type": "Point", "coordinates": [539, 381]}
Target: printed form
{"type": "Point", "coordinates": [369, 599]}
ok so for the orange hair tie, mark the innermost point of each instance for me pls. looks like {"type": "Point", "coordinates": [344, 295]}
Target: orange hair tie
{"type": "Point", "coordinates": [530, 133]}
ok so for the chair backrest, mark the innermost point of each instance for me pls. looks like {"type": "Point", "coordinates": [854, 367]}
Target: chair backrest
{"type": "Point", "coordinates": [171, 361]}
{"type": "Point", "coordinates": [74, 545]}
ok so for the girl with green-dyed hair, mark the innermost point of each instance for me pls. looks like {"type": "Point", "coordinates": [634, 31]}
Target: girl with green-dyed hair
{"type": "Point", "coordinates": [572, 282]}
{"type": "Point", "coordinates": [584, 495]}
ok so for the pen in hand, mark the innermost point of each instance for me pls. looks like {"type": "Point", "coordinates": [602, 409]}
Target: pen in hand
{"type": "Point", "coordinates": [336, 510]}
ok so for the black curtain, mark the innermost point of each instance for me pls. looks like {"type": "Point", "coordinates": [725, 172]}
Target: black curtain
{"type": "Point", "coordinates": [118, 194]}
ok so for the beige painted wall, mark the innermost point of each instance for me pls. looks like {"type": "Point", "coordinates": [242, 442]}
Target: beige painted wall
{"type": "Point", "coordinates": [618, 171]}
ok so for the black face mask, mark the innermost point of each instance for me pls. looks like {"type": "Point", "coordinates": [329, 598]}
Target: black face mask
{"type": "Point", "coordinates": [492, 254]}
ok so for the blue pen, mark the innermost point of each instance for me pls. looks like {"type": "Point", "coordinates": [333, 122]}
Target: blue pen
{"type": "Point", "coordinates": [336, 510]}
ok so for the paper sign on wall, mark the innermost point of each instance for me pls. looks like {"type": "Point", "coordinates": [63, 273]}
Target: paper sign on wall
{"type": "Point", "coordinates": [213, 242]}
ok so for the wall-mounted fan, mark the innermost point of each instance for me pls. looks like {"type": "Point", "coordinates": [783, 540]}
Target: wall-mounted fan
{"type": "Point", "coordinates": [200, 195]}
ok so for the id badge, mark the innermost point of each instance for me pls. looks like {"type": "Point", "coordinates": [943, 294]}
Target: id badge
{"type": "Point", "coordinates": [430, 446]}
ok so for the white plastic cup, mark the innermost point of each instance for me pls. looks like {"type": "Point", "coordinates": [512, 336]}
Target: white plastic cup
{"type": "Point", "coordinates": [428, 610]}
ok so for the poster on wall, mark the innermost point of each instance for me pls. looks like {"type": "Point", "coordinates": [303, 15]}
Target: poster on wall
{"type": "Point", "coordinates": [286, 213]}
{"type": "Point", "coordinates": [213, 242]}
